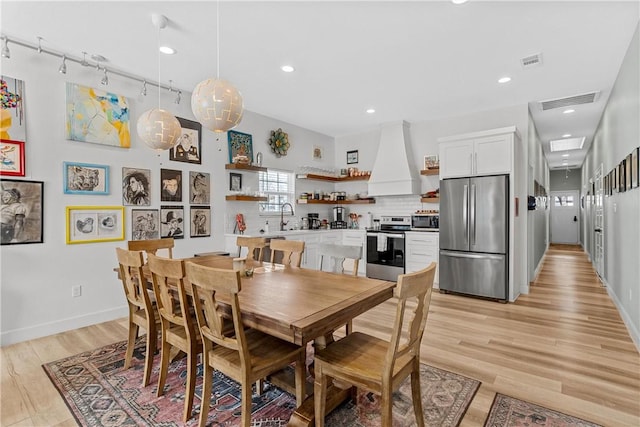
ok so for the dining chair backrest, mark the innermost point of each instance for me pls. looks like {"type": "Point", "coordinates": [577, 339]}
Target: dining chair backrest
{"type": "Point", "coordinates": [291, 251]}
{"type": "Point", "coordinates": [130, 263]}
{"type": "Point", "coordinates": [337, 254]}
{"type": "Point", "coordinates": [152, 246]}
{"type": "Point", "coordinates": [207, 284]}
{"type": "Point", "coordinates": [252, 244]}
{"type": "Point", "coordinates": [415, 289]}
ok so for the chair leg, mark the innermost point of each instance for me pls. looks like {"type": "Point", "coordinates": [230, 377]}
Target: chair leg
{"type": "Point", "coordinates": [300, 373]}
{"type": "Point", "coordinates": [386, 407]}
{"type": "Point", "coordinates": [207, 385]}
{"type": "Point", "coordinates": [320, 395]}
{"type": "Point", "coordinates": [131, 342]}
{"type": "Point", "coordinates": [246, 403]}
{"type": "Point", "coordinates": [164, 365]}
{"type": "Point", "coordinates": [259, 386]}
{"type": "Point", "coordinates": [417, 393]}
{"type": "Point", "coordinates": [150, 350]}
{"type": "Point", "coordinates": [192, 364]}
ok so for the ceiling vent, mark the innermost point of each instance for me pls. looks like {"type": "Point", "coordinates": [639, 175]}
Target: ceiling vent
{"type": "Point", "coordinates": [586, 98]}
{"type": "Point", "coordinates": [531, 61]}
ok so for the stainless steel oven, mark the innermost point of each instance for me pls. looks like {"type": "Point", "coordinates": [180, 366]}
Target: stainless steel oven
{"type": "Point", "coordinates": [386, 248]}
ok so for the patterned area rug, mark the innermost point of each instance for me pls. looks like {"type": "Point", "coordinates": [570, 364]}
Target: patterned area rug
{"type": "Point", "coordinates": [100, 393]}
{"type": "Point", "coordinates": [512, 412]}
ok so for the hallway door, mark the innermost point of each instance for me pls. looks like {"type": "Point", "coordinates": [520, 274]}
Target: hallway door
{"type": "Point", "coordinates": [565, 217]}
{"type": "Point", "coordinates": [598, 224]}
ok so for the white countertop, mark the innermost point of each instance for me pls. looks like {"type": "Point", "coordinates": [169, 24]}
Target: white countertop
{"type": "Point", "coordinates": [295, 232]}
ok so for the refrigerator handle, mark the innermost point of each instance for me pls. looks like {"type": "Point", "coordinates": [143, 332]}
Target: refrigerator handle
{"type": "Point", "coordinates": [465, 200]}
{"type": "Point", "coordinates": [472, 215]}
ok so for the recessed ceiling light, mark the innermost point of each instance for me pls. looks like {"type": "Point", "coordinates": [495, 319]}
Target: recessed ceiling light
{"type": "Point", "coordinates": [569, 111]}
{"type": "Point", "coordinates": [167, 50]}
{"type": "Point", "coordinates": [566, 135]}
{"type": "Point", "coordinates": [458, 1]}
{"type": "Point", "coordinates": [567, 144]}
{"type": "Point", "coordinates": [287, 68]}
{"type": "Point", "coordinates": [371, 110]}
{"type": "Point", "coordinates": [565, 155]}
{"type": "Point", "coordinates": [504, 79]}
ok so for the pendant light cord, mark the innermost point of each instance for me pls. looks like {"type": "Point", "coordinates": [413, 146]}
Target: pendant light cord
{"type": "Point", "coordinates": [159, 81]}
{"type": "Point", "coordinates": [218, 39]}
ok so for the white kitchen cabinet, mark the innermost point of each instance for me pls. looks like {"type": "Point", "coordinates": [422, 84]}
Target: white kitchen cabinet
{"type": "Point", "coordinates": [421, 249]}
{"type": "Point", "coordinates": [357, 238]}
{"type": "Point", "coordinates": [475, 154]}
{"type": "Point", "coordinates": [310, 254]}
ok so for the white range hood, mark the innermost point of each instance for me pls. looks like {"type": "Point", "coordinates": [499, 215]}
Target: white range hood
{"type": "Point", "coordinates": [394, 172]}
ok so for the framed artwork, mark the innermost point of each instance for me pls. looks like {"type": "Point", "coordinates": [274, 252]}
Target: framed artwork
{"type": "Point", "coordinates": [12, 111]}
{"type": "Point", "coordinates": [431, 162]}
{"type": "Point", "coordinates": [136, 187]}
{"type": "Point", "coordinates": [84, 178]}
{"type": "Point", "coordinates": [189, 146]}
{"type": "Point", "coordinates": [622, 183]}
{"type": "Point", "coordinates": [200, 221]}
{"type": "Point", "coordinates": [352, 157]}
{"type": "Point", "coordinates": [97, 116]}
{"type": "Point", "coordinates": [145, 224]}
{"type": "Point", "coordinates": [235, 181]}
{"type": "Point", "coordinates": [90, 224]}
{"type": "Point", "coordinates": [614, 175]}
{"type": "Point", "coordinates": [199, 188]}
{"type": "Point", "coordinates": [627, 172]}
{"type": "Point", "coordinates": [171, 219]}
{"type": "Point", "coordinates": [22, 211]}
{"type": "Point", "coordinates": [11, 157]}
{"type": "Point", "coordinates": [171, 185]}
{"type": "Point", "coordinates": [240, 147]}
{"type": "Point", "coordinates": [317, 152]}
{"type": "Point", "coordinates": [635, 166]}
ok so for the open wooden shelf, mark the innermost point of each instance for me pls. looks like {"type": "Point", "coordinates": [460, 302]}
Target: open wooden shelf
{"type": "Point", "coordinates": [241, 198]}
{"type": "Point", "coordinates": [241, 166]}
{"type": "Point", "coordinates": [432, 171]}
{"type": "Point", "coordinates": [336, 202]}
{"type": "Point", "coordinates": [333, 178]}
{"type": "Point", "coordinates": [430, 199]}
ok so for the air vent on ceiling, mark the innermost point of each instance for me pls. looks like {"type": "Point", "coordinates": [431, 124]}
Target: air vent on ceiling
{"type": "Point", "coordinates": [586, 98]}
{"type": "Point", "coordinates": [531, 60]}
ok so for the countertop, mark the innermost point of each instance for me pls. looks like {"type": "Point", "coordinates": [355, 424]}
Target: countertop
{"type": "Point", "coordinates": [295, 232]}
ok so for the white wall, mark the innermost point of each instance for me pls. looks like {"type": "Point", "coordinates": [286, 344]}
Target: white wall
{"type": "Point", "coordinates": [617, 135]}
{"type": "Point", "coordinates": [37, 278]}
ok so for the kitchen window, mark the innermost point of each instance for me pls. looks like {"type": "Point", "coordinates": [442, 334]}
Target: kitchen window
{"type": "Point", "coordinates": [279, 187]}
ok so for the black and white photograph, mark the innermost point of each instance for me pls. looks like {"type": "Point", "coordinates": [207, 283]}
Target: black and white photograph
{"type": "Point", "coordinates": [200, 221]}
{"type": "Point", "coordinates": [352, 157]}
{"type": "Point", "coordinates": [199, 188]}
{"type": "Point", "coordinates": [145, 224]}
{"type": "Point", "coordinates": [189, 146]}
{"type": "Point", "coordinates": [172, 222]}
{"type": "Point", "coordinates": [171, 185]}
{"type": "Point", "coordinates": [136, 187]}
{"type": "Point", "coordinates": [22, 210]}
{"type": "Point", "coordinates": [235, 181]}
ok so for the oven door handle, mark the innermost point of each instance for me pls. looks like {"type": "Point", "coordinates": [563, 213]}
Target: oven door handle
{"type": "Point", "coordinates": [389, 235]}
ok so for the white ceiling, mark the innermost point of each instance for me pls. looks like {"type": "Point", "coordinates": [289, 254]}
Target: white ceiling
{"type": "Point", "coordinates": [414, 60]}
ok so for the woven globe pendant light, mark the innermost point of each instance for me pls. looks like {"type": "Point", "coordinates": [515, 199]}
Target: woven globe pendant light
{"type": "Point", "coordinates": [159, 129]}
{"type": "Point", "coordinates": [217, 104]}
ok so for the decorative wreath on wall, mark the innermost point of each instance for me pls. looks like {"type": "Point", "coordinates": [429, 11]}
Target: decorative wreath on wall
{"type": "Point", "coordinates": [279, 142]}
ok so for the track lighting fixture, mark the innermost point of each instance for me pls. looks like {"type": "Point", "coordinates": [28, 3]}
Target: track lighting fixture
{"type": "Point", "coordinates": [6, 53]}
{"type": "Point", "coordinates": [63, 66]}
{"type": "Point", "coordinates": [143, 92]}
{"type": "Point", "coordinates": [105, 78]}
{"type": "Point", "coordinates": [178, 97]}
{"type": "Point", "coordinates": [39, 44]}
{"type": "Point", "coordinates": [84, 62]}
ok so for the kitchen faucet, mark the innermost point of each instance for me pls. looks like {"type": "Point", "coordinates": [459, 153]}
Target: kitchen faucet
{"type": "Point", "coordinates": [282, 222]}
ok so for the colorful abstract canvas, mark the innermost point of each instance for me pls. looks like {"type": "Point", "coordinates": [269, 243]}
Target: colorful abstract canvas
{"type": "Point", "coordinates": [12, 125]}
{"type": "Point", "coordinates": [97, 116]}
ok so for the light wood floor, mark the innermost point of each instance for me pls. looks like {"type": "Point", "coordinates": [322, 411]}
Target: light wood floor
{"type": "Point", "coordinates": [562, 346]}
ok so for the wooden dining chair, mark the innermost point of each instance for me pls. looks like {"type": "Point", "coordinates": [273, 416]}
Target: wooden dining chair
{"type": "Point", "coordinates": [178, 326]}
{"type": "Point", "coordinates": [377, 365]}
{"type": "Point", "coordinates": [336, 255]}
{"type": "Point", "coordinates": [247, 356]}
{"type": "Point", "coordinates": [252, 243]}
{"type": "Point", "coordinates": [142, 312]}
{"type": "Point", "coordinates": [152, 246]}
{"type": "Point", "coordinates": [291, 251]}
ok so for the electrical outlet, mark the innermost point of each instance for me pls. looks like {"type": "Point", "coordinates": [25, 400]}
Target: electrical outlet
{"type": "Point", "coordinates": [76, 291]}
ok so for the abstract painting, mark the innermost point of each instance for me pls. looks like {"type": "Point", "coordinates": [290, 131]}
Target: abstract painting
{"type": "Point", "coordinates": [240, 147]}
{"type": "Point", "coordinates": [97, 116]}
{"type": "Point", "coordinates": [22, 211]}
{"type": "Point", "coordinates": [12, 124]}
{"type": "Point", "coordinates": [11, 157]}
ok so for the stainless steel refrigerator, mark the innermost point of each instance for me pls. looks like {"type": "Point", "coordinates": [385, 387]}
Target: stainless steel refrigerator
{"type": "Point", "coordinates": [474, 236]}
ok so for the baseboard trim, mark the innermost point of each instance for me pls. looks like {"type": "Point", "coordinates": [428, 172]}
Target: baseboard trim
{"type": "Point", "coordinates": [46, 329]}
{"type": "Point", "coordinates": [634, 333]}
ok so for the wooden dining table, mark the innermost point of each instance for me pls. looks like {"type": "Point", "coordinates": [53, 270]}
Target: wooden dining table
{"type": "Point", "coordinates": [301, 305]}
